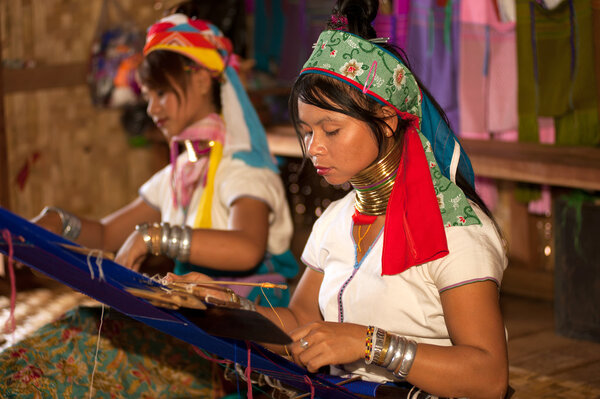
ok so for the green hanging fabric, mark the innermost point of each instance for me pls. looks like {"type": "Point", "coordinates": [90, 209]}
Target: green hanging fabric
{"type": "Point", "coordinates": [448, 26]}
{"type": "Point", "coordinates": [574, 201]}
{"type": "Point", "coordinates": [556, 73]}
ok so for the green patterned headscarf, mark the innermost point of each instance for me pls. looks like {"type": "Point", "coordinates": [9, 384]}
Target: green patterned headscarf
{"type": "Point", "coordinates": [424, 199]}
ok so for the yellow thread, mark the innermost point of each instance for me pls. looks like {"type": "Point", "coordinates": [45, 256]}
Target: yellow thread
{"type": "Point", "coordinates": [276, 314]}
{"type": "Point", "coordinates": [363, 236]}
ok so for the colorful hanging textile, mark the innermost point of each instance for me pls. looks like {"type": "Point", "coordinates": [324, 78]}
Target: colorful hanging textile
{"type": "Point", "coordinates": [395, 24]}
{"type": "Point", "coordinates": [268, 33]}
{"type": "Point", "coordinates": [432, 51]}
{"type": "Point", "coordinates": [487, 71]}
{"type": "Point", "coordinates": [506, 10]}
{"type": "Point", "coordinates": [596, 36]}
{"type": "Point", "coordinates": [555, 71]}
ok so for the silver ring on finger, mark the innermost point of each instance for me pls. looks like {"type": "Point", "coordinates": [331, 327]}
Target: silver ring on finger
{"type": "Point", "coordinates": [303, 343]}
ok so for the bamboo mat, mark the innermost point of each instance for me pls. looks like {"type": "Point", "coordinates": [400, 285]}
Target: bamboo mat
{"type": "Point", "coordinates": [36, 308]}
{"type": "Point", "coordinates": [529, 384]}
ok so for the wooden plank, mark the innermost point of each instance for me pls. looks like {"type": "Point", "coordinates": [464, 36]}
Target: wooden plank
{"type": "Point", "coordinates": [4, 186]}
{"type": "Point", "coordinates": [44, 77]}
{"type": "Point", "coordinates": [528, 283]}
{"type": "Point", "coordinates": [550, 354]}
{"type": "Point", "coordinates": [283, 141]}
{"type": "Point", "coordinates": [575, 167]}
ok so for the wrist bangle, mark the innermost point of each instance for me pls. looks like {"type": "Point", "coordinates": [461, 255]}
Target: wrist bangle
{"type": "Point", "coordinates": [407, 360]}
{"type": "Point", "coordinates": [71, 224]}
{"type": "Point", "coordinates": [390, 350]}
{"type": "Point", "coordinates": [369, 345]}
{"type": "Point", "coordinates": [155, 236]}
{"type": "Point", "coordinates": [378, 342]}
{"type": "Point", "coordinates": [174, 238]}
{"type": "Point", "coordinates": [143, 230]}
{"type": "Point", "coordinates": [165, 232]}
{"type": "Point", "coordinates": [185, 244]}
{"type": "Point", "coordinates": [398, 354]}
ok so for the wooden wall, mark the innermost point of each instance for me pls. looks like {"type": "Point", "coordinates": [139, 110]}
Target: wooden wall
{"type": "Point", "coordinates": [63, 150]}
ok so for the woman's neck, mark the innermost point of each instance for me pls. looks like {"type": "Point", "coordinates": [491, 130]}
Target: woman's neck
{"type": "Point", "coordinates": [374, 184]}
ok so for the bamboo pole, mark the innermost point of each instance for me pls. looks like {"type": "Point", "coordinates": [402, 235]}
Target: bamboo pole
{"type": "Point", "coordinates": [4, 175]}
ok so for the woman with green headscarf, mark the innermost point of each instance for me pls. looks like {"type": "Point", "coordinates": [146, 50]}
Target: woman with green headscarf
{"type": "Point", "coordinates": [403, 273]}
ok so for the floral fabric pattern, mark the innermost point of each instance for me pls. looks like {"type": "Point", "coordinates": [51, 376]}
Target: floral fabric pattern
{"type": "Point", "coordinates": [134, 361]}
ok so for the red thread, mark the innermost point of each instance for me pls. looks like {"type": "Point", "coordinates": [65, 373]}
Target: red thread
{"type": "Point", "coordinates": [312, 388]}
{"type": "Point", "coordinates": [13, 285]}
{"type": "Point", "coordinates": [248, 372]}
{"type": "Point", "coordinates": [210, 359]}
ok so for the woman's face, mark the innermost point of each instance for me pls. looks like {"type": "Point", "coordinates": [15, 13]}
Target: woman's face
{"type": "Point", "coordinates": [338, 145]}
{"type": "Point", "coordinates": [174, 110]}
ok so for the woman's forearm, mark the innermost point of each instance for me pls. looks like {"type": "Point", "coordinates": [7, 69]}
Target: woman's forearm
{"type": "Point", "coordinates": [459, 371]}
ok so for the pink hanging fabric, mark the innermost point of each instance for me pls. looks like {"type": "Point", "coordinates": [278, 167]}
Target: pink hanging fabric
{"type": "Point", "coordinates": [487, 71]}
{"type": "Point", "coordinates": [394, 25]}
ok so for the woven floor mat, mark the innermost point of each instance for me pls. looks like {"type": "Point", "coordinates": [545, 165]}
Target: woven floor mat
{"type": "Point", "coordinates": [35, 308]}
{"type": "Point", "coordinates": [528, 384]}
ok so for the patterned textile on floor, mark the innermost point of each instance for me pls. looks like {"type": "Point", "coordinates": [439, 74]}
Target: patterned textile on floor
{"type": "Point", "coordinates": [134, 361]}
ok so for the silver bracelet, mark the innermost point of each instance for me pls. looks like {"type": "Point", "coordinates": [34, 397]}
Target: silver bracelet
{"type": "Point", "coordinates": [71, 224]}
{"type": "Point", "coordinates": [398, 354]}
{"type": "Point", "coordinates": [378, 343]}
{"type": "Point", "coordinates": [185, 244]}
{"type": "Point", "coordinates": [143, 230]}
{"type": "Point", "coordinates": [174, 242]}
{"type": "Point", "coordinates": [407, 360]}
{"type": "Point", "coordinates": [394, 341]}
{"type": "Point", "coordinates": [165, 232]}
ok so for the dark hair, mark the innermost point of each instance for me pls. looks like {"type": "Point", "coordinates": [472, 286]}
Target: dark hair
{"type": "Point", "coordinates": [228, 15]}
{"type": "Point", "coordinates": [167, 70]}
{"type": "Point", "coordinates": [331, 94]}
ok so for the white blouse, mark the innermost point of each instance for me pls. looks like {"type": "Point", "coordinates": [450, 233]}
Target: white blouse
{"type": "Point", "coordinates": [407, 303]}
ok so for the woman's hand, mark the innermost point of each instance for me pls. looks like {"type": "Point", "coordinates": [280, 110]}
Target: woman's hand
{"type": "Point", "coordinates": [191, 277]}
{"type": "Point", "coordinates": [208, 291]}
{"type": "Point", "coordinates": [324, 343]}
{"type": "Point", "coordinates": [133, 252]}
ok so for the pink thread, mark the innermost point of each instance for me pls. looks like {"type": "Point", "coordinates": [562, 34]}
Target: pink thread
{"type": "Point", "coordinates": [366, 88]}
{"type": "Point", "coordinates": [210, 359]}
{"type": "Point", "coordinates": [312, 388]}
{"type": "Point", "coordinates": [13, 285]}
{"type": "Point", "coordinates": [248, 372]}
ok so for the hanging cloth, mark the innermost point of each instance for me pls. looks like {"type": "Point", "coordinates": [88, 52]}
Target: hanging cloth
{"type": "Point", "coordinates": [596, 36]}
{"type": "Point", "coordinates": [556, 73]}
{"type": "Point", "coordinates": [487, 71]}
{"type": "Point", "coordinates": [432, 50]}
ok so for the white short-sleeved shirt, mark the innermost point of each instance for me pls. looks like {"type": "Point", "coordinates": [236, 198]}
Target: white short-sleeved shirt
{"type": "Point", "coordinates": [407, 303]}
{"type": "Point", "coordinates": [234, 179]}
